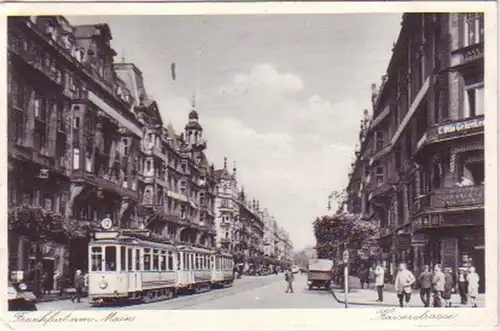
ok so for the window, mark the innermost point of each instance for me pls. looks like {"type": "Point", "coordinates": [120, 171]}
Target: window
{"type": "Point", "coordinates": [379, 140]}
{"type": "Point", "coordinates": [170, 264]}
{"type": "Point", "coordinates": [472, 173]}
{"type": "Point", "coordinates": [179, 261]}
{"type": "Point", "coordinates": [148, 165]}
{"type": "Point", "coordinates": [163, 261]}
{"type": "Point", "coordinates": [156, 260]}
{"type": "Point", "coordinates": [125, 147]}
{"type": "Point", "coordinates": [473, 29]}
{"type": "Point", "coordinates": [96, 258]}
{"type": "Point", "coordinates": [137, 259]}
{"type": "Point", "coordinates": [123, 258]}
{"type": "Point", "coordinates": [147, 259]}
{"type": "Point", "coordinates": [379, 175]}
{"type": "Point", "coordinates": [76, 158]}
{"type": "Point", "coordinates": [129, 259]}
{"type": "Point", "coordinates": [197, 261]}
{"type": "Point", "coordinates": [110, 258]}
{"type": "Point", "coordinates": [473, 102]}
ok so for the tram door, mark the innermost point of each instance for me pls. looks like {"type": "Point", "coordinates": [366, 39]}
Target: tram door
{"type": "Point", "coordinates": [137, 274]}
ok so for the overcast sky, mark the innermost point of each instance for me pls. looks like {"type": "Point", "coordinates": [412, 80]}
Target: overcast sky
{"type": "Point", "coordinates": [282, 95]}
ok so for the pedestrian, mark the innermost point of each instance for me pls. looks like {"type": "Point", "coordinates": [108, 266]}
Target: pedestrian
{"type": "Point", "coordinates": [448, 286]}
{"type": "Point", "coordinates": [371, 276]}
{"type": "Point", "coordinates": [79, 284]}
{"type": "Point", "coordinates": [289, 280]}
{"type": "Point", "coordinates": [425, 281]}
{"type": "Point", "coordinates": [403, 283]}
{"type": "Point", "coordinates": [462, 286]}
{"type": "Point", "coordinates": [473, 286]}
{"type": "Point", "coordinates": [379, 281]}
{"type": "Point", "coordinates": [438, 286]}
{"type": "Point", "coordinates": [363, 277]}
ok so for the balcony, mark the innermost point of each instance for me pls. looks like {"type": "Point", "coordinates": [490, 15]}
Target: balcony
{"type": "Point", "coordinates": [467, 56]}
{"type": "Point", "coordinates": [115, 187]}
{"type": "Point", "coordinates": [380, 191]}
{"type": "Point", "coordinates": [458, 197]}
{"type": "Point", "coordinates": [449, 199]}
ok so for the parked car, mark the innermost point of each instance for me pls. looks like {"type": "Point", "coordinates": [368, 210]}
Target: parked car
{"type": "Point", "coordinates": [20, 298]}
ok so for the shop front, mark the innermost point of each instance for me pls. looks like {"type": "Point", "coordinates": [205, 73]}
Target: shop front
{"type": "Point", "coordinates": [452, 239]}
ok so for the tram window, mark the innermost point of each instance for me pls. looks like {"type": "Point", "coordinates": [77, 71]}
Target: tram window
{"type": "Point", "coordinates": [129, 259]}
{"type": "Point", "coordinates": [156, 262]}
{"type": "Point", "coordinates": [123, 258]}
{"type": "Point", "coordinates": [137, 260]}
{"type": "Point", "coordinates": [96, 258]}
{"type": "Point", "coordinates": [184, 262]}
{"type": "Point", "coordinates": [110, 258]}
{"type": "Point", "coordinates": [163, 261]}
{"type": "Point", "coordinates": [147, 259]}
{"type": "Point", "coordinates": [170, 261]}
{"type": "Point", "coordinates": [192, 262]}
{"type": "Point", "coordinates": [178, 261]}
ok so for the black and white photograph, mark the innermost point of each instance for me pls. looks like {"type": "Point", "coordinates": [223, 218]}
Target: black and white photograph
{"type": "Point", "coordinates": [249, 161]}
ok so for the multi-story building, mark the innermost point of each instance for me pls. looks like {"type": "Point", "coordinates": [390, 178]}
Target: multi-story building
{"type": "Point", "coordinates": [251, 226]}
{"type": "Point", "coordinates": [227, 210]}
{"type": "Point", "coordinates": [85, 143]}
{"type": "Point", "coordinates": [69, 118]}
{"type": "Point", "coordinates": [268, 241]}
{"type": "Point", "coordinates": [422, 156]}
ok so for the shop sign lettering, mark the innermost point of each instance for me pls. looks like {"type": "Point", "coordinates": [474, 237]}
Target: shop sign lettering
{"type": "Point", "coordinates": [461, 126]}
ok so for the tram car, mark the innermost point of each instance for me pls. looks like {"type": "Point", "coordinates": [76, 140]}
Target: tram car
{"type": "Point", "coordinates": [130, 265]}
{"type": "Point", "coordinates": [194, 272]}
{"type": "Point", "coordinates": [222, 270]}
{"type": "Point", "coordinates": [126, 267]}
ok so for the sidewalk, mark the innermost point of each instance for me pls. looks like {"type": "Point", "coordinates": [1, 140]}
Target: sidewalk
{"type": "Point", "coordinates": [54, 295]}
{"type": "Point", "coordinates": [368, 297]}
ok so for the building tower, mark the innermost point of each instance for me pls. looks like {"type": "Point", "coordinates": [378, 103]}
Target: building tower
{"type": "Point", "coordinates": [193, 132]}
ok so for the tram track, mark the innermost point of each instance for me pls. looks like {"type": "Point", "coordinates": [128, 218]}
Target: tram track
{"type": "Point", "coordinates": [187, 301]}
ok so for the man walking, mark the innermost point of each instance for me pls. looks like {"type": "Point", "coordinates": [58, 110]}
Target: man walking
{"type": "Point", "coordinates": [379, 282]}
{"type": "Point", "coordinates": [289, 280]}
{"type": "Point", "coordinates": [403, 284]}
{"type": "Point", "coordinates": [438, 285]}
{"type": "Point", "coordinates": [425, 280]}
{"type": "Point", "coordinates": [79, 284]}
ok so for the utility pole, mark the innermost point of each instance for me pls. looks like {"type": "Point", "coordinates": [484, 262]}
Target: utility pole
{"type": "Point", "coordinates": [345, 257]}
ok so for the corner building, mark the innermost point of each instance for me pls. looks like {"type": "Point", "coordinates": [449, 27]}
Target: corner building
{"type": "Point", "coordinates": [423, 153]}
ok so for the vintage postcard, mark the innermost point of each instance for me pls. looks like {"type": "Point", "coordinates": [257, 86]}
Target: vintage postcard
{"type": "Point", "coordinates": [311, 166]}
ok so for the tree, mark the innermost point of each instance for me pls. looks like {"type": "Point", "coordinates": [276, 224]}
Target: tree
{"type": "Point", "coordinates": [333, 232]}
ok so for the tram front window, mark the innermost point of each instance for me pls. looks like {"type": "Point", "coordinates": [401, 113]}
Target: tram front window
{"type": "Point", "coordinates": [110, 258]}
{"type": "Point", "coordinates": [96, 258]}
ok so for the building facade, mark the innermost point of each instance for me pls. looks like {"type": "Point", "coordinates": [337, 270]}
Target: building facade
{"type": "Point", "coordinates": [419, 171]}
{"type": "Point", "coordinates": [86, 143]}
{"type": "Point", "coordinates": [227, 210]}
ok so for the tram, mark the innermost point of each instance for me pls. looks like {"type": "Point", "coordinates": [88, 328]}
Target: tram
{"type": "Point", "coordinates": [130, 265]}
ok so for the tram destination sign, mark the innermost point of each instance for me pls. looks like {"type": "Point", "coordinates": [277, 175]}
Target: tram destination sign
{"type": "Point", "coordinates": [461, 126]}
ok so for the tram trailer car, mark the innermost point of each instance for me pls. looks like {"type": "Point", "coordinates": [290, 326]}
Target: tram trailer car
{"type": "Point", "coordinates": [123, 267]}
{"type": "Point", "coordinates": [222, 270]}
{"type": "Point", "coordinates": [194, 272]}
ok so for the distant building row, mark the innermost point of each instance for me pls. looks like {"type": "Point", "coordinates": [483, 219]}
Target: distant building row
{"type": "Point", "coordinates": [419, 170]}
{"type": "Point", "coordinates": [85, 142]}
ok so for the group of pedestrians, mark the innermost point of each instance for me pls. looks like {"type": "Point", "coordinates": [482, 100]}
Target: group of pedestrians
{"type": "Point", "coordinates": [437, 285]}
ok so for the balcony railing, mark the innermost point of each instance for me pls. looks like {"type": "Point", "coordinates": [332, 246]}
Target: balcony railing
{"type": "Point", "coordinates": [466, 55]}
{"type": "Point", "coordinates": [458, 197]}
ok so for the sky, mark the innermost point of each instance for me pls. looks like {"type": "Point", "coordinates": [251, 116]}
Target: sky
{"type": "Point", "coordinates": [280, 95]}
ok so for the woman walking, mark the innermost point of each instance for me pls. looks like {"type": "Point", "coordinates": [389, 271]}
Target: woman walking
{"type": "Point", "coordinates": [448, 287]}
{"type": "Point", "coordinates": [473, 288]}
